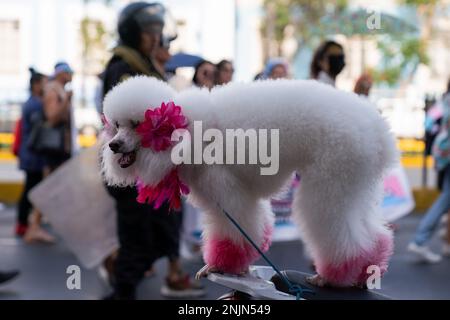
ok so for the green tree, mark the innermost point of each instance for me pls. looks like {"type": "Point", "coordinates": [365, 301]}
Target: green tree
{"type": "Point", "coordinates": [400, 53]}
{"type": "Point", "coordinates": [303, 15]}
{"type": "Point", "coordinates": [93, 35]}
{"type": "Point", "coordinates": [94, 39]}
{"type": "Point", "coordinates": [399, 56]}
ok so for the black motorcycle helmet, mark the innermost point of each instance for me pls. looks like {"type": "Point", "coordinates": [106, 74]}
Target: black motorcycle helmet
{"type": "Point", "coordinates": [139, 16]}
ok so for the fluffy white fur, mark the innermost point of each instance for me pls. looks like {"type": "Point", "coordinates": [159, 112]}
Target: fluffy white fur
{"type": "Point", "coordinates": [336, 141]}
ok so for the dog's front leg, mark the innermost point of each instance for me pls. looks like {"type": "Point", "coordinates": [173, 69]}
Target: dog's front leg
{"type": "Point", "coordinates": [225, 247]}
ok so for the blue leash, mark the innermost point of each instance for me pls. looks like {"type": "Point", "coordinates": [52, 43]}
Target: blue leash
{"type": "Point", "coordinates": [294, 289]}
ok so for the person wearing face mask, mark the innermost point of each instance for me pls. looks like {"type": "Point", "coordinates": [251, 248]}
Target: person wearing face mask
{"type": "Point", "coordinates": [145, 234]}
{"type": "Point", "coordinates": [328, 61]}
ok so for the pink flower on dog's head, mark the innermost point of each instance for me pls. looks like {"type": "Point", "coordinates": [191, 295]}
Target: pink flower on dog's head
{"type": "Point", "coordinates": [170, 189]}
{"type": "Point", "coordinates": [156, 130]}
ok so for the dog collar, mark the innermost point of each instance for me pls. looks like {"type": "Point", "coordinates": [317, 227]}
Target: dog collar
{"type": "Point", "coordinates": [169, 188]}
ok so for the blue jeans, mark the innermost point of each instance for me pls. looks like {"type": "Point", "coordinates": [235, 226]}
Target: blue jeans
{"type": "Point", "coordinates": [430, 221]}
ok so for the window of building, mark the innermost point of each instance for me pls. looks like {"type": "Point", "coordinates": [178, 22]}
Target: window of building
{"type": "Point", "coordinates": [10, 46]}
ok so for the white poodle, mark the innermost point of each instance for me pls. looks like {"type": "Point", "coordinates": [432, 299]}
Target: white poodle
{"type": "Point", "coordinates": [336, 141]}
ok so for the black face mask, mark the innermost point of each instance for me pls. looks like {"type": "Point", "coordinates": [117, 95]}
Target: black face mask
{"type": "Point", "coordinates": [336, 64]}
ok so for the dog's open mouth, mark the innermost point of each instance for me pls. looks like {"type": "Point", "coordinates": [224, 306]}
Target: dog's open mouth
{"type": "Point", "coordinates": [127, 159]}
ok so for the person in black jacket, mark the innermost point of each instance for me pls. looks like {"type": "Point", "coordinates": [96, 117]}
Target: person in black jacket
{"type": "Point", "coordinates": [145, 234]}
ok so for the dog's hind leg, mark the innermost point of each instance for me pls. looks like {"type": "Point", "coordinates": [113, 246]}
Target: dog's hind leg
{"type": "Point", "coordinates": [342, 226]}
{"type": "Point", "coordinates": [225, 247]}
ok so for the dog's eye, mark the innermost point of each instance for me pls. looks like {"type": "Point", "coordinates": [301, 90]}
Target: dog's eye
{"type": "Point", "coordinates": [134, 124]}
{"type": "Point", "coordinates": [116, 125]}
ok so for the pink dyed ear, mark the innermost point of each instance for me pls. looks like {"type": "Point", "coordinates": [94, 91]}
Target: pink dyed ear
{"type": "Point", "coordinates": [159, 124]}
{"type": "Point", "coordinates": [104, 120]}
{"type": "Point", "coordinates": [108, 128]}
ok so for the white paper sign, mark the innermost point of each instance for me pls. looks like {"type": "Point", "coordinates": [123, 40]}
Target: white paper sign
{"type": "Point", "coordinates": [79, 208]}
{"type": "Point", "coordinates": [398, 199]}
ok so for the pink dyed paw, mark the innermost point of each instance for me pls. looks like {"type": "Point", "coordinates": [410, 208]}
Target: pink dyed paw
{"type": "Point", "coordinates": [227, 256]}
{"type": "Point", "coordinates": [354, 271]}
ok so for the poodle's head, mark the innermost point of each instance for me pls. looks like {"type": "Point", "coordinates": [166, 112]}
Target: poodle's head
{"type": "Point", "coordinates": [123, 156]}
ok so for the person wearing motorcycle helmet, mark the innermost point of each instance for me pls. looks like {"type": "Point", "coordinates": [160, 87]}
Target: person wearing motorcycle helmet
{"type": "Point", "coordinates": [145, 234]}
{"type": "Point", "coordinates": [140, 27]}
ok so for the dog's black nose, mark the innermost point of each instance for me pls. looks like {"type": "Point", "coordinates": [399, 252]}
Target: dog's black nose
{"type": "Point", "coordinates": [115, 145]}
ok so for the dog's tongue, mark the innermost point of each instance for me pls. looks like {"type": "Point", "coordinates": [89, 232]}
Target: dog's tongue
{"type": "Point", "coordinates": [127, 159]}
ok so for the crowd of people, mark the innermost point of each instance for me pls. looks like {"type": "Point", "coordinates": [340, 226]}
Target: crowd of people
{"type": "Point", "coordinates": [48, 107]}
{"type": "Point", "coordinates": [44, 140]}
{"type": "Point", "coordinates": [439, 148]}
{"type": "Point", "coordinates": [146, 234]}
